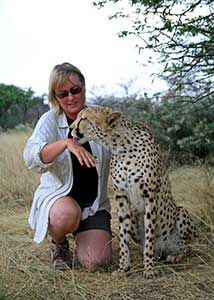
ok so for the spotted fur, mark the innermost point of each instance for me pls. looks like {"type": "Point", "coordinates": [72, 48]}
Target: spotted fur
{"type": "Point", "coordinates": [146, 208]}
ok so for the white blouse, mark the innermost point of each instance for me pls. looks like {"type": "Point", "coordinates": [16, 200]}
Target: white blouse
{"type": "Point", "coordinates": [57, 177]}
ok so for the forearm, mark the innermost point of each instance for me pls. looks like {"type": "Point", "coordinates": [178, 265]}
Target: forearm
{"type": "Point", "coordinates": [50, 151]}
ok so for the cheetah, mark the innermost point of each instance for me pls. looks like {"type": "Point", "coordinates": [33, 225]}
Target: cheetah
{"type": "Point", "coordinates": [146, 209]}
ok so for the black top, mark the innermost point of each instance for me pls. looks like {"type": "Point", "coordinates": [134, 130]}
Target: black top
{"type": "Point", "coordinates": [85, 180]}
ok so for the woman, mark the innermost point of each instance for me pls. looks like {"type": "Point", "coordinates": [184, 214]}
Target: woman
{"type": "Point", "coordinates": [72, 195]}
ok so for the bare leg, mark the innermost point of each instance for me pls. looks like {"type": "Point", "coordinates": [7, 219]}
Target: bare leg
{"type": "Point", "coordinates": [64, 218]}
{"type": "Point", "coordinates": [93, 248]}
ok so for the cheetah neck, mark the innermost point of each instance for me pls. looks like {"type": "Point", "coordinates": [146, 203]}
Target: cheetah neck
{"type": "Point", "coordinates": [121, 137]}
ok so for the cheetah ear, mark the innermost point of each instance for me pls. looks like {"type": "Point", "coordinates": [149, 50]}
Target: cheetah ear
{"type": "Point", "coordinates": [113, 118]}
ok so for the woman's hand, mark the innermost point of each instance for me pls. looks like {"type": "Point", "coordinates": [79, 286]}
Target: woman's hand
{"type": "Point", "coordinates": [50, 152]}
{"type": "Point", "coordinates": [81, 153]}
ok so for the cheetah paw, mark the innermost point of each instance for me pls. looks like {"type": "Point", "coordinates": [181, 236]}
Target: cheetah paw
{"type": "Point", "coordinates": [174, 259]}
{"type": "Point", "coordinates": [118, 273]}
{"type": "Point", "coordinates": [149, 274]}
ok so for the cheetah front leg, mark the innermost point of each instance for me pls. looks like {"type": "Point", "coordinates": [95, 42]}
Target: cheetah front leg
{"type": "Point", "coordinates": [150, 217]}
{"type": "Point", "coordinates": [124, 215]}
{"type": "Point", "coordinates": [137, 227]}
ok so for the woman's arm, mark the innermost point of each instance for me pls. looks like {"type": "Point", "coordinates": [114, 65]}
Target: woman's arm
{"type": "Point", "coordinates": [50, 152]}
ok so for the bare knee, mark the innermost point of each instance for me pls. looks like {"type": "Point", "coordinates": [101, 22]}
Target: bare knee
{"type": "Point", "coordinates": [94, 248]}
{"type": "Point", "coordinates": [64, 217]}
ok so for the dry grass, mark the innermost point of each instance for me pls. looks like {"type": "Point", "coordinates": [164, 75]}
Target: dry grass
{"type": "Point", "coordinates": [24, 270]}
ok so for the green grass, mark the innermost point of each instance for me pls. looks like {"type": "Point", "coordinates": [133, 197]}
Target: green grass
{"type": "Point", "coordinates": [24, 265]}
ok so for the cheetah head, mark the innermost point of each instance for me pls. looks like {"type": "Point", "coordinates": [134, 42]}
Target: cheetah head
{"type": "Point", "coordinates": [96, 123]}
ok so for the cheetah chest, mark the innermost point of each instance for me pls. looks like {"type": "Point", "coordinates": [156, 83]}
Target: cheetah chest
{"type": "Point", "coordinates": [126, 180]}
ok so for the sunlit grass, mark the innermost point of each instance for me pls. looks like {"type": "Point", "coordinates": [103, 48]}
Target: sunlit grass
{"type": "Point", "coordinates": [17, 183]}
{"type": "Point", "coordinates": [193, 187]}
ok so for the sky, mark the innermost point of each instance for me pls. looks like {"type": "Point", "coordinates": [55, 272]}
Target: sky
{"type": "Point", "coordinates": [38, 34]}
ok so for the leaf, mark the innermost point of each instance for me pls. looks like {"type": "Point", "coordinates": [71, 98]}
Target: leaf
{"type": "Point", "coordinates": [168, 25]}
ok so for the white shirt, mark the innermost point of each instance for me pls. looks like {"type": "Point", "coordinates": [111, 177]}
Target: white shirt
{"type": "Point", "coordinates": [57, 177]}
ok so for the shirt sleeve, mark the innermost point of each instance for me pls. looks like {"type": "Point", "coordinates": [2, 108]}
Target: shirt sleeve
{"type": "Point", "coordinates": [44, 133]}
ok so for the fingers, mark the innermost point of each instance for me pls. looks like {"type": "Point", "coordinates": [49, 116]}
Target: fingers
{"type": "Point", "coordinates": [85, 157]}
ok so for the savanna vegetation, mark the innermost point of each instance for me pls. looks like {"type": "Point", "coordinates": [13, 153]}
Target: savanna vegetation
{"type": "Point", "coordinates": [182, 120]}
{"type": "Point", "coordinates": [179, 36]}
{"type": "Point", "coordinates": [19, 106]}
{"type": "Point", "coordinates": [184, 130]}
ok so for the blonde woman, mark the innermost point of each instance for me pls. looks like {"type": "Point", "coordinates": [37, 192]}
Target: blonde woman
{"type": "Point", "coordinates": [72, 194]}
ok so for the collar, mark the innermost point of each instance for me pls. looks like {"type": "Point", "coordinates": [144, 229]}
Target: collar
{"type": "Point", "coordinates": [62, 120]}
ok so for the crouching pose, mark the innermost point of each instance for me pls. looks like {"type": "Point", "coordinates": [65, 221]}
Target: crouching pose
{"type": "Point", "coordinates": [72, 194]}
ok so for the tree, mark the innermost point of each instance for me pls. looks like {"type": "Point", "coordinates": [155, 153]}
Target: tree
{"type": "Point", "coordinates": [10, 95]}
{"type": "Point", "coordinates": [15, 104]}
{"type": "Point", "coordinates": [181, 33]}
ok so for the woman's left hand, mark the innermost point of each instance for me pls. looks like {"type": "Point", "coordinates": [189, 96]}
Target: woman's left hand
{"type": "Point", "coordinates": [81, 153]}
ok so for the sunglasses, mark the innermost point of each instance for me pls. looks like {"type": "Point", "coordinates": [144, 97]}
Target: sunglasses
{"type": "Point", "coordinates": [73, 91]}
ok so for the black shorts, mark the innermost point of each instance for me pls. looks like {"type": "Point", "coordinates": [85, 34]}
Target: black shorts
{"type": "Point", "coordinates": [101, 220]}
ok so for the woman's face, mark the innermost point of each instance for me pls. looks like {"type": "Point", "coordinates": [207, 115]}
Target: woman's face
{"type": "Point", "coordinates": [71, 96]}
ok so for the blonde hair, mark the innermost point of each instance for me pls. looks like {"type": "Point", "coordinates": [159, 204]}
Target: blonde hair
{"type": "Point", "coordinates": [58, 77]}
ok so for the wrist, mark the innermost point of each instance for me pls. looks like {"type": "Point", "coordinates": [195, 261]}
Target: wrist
{"type": "Point", "coordinates": [66, 142]}
{"type": "Point", "coordinates": [69, 142]}
{"type": "Point", "coordinates": [75, 141]}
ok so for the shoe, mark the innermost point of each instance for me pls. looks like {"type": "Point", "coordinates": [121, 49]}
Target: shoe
{"type": "Point", "coordinates": [61, 257]}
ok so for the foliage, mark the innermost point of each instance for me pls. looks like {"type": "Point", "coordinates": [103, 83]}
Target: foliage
{"type": "Point", "coordinates": [181, 33]}
{"type": "Point", "coordinates": [10, 94]}
{"type": "Point", "coordinates": [186, 130]}
{"type": "Point", "coordinates": [15, 104]}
